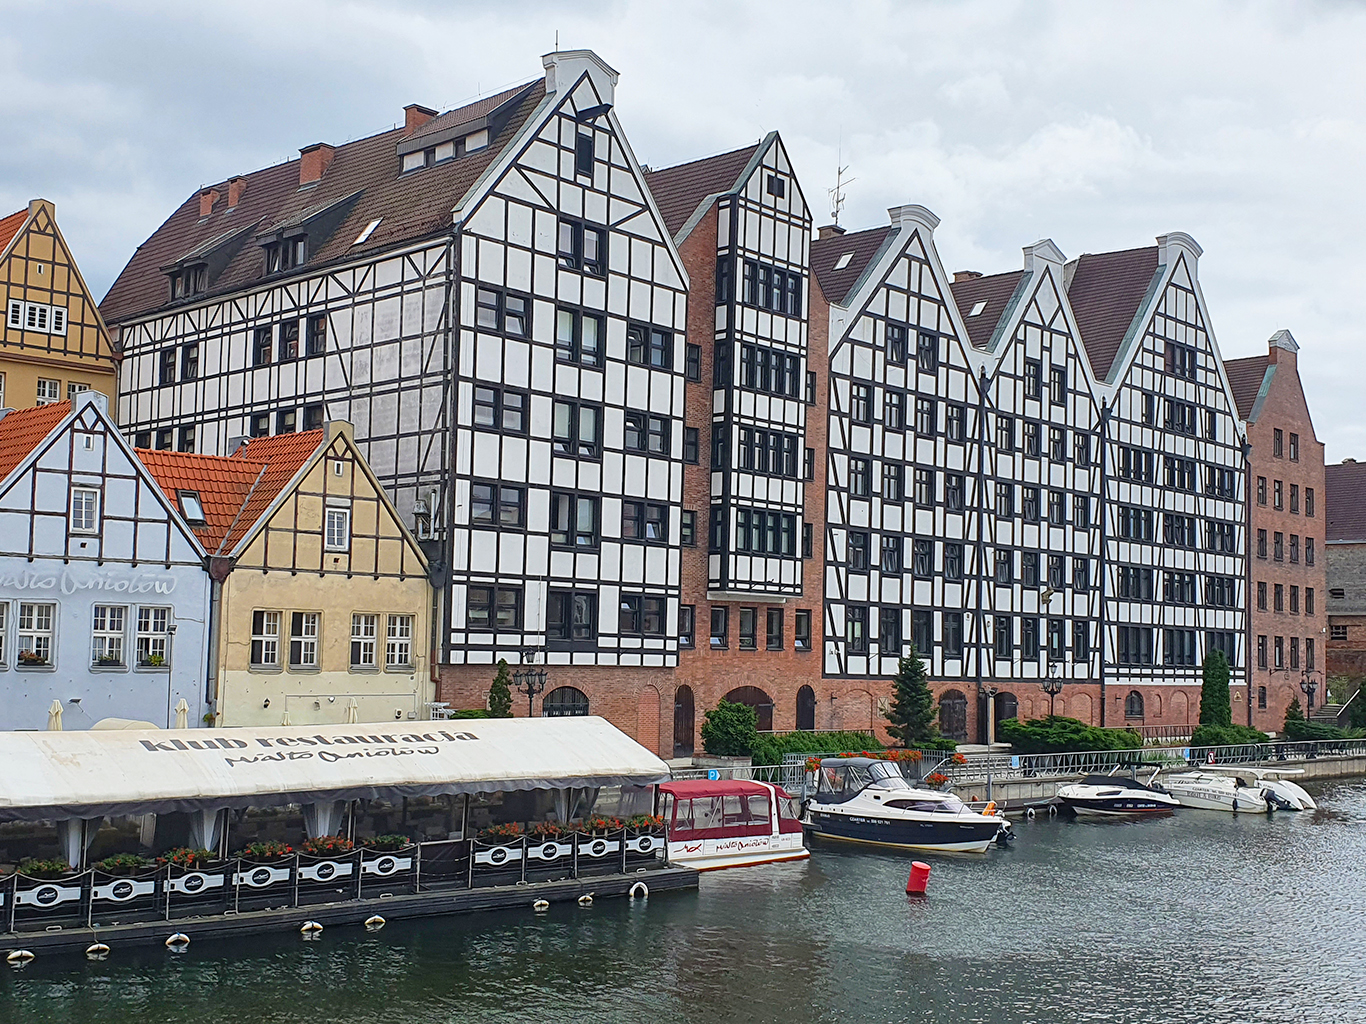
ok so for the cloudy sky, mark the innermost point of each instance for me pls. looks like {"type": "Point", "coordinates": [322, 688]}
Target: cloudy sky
{"type": "Point", "coordinates": [1099, 125]}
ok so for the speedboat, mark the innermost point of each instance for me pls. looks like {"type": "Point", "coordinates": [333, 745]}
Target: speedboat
{"type": "Point", "coordinates": [1110, 795]}
{"type": "Point", "coordinates": [727, 823]}
{"type": "Point", "coordinates": [1280, 792]}
{"type": "Point", "coordinates": [1212, 790]}
{"type": "Point", "coordinates": [866, 800]}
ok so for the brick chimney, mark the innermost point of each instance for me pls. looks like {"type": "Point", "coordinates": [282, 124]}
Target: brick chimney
{"type": "Point", "coordinates": [415, 116]}
{"type": "Point", "coordinates": [313, 162]}
{"type": "Point", "coordinates": [1282, 348]}
{"type": "Point", "coordinates": [207, 198]}
{"type": "Point", "coordinates": [237, 187]}
{"type": "Point", "coordinates": [966, 275]}
{"type": "Point", "coordinates": [829, 231]}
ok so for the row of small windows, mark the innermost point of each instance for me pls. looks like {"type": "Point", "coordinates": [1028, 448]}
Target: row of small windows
{"type": "Point", "coordinates": [1179, 417]}
{"type": "Point", "coordinates": [1135, 645]}
{"type": "Point", "coordinates": [1057, 382]}
{"type": "Point", "coordinates": [1178, 530]}
{"type": "Point", "coordinates": [771, 288]}
{"type": "Point", "coordinates": [1278, 447]}
{"type": "Point", "coordinates": [36, 316]}
{"type": "Point", "coordinates": [1278, 651]}
{"type": "Point", "coordinates": [1139, 465]}
{"type": "Point", "coordinates": [371, 636]}
{"type": "Point", "coordinates": [576, 427]}
{"type": "Point", "coordinates": [1278, 496]}
{"type": "Point", "coordinates": [450, 150]}
{"type": "Point", "coordinates": [571, 615]}
{"type": "Point", "coordinates": [35, 628]}
{"type": "Point", "coordinates": [1278, 547]}
{"type": "Point", "coordinates": [748, 622]}
{"type": "Point", "coordinates": [1279, 591]}
{"type": "Point", "coordinates": [1005, 643]}
{"type": "Point", "coordinates": [1136, 583]}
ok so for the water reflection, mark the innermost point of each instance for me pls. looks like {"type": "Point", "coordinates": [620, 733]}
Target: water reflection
{"type": "Point", "coordinates": [1198, 916]}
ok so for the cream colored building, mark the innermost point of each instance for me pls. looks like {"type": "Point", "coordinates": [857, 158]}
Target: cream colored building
{"type": "Point", "coordinates": [322, 604]}
{"type": "Point", "coordinates": [53, 342]}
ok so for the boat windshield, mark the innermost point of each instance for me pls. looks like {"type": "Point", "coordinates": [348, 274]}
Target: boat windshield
{"type": "Point", "coordinates": [842, 781]}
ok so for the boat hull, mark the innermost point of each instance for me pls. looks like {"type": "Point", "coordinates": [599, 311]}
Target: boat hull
{"type": "Point", "coordinates": [951, 836]}
{"type": "Point", "coordinates": [1205, 795]}
{"type": "Point", "coordinates": [739, 852]}
{"type": "Point", "coordinates": [1116, 807]}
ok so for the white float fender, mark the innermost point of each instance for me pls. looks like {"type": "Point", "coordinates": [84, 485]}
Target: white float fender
{"type": "Point", "coordinates": [640, 889]}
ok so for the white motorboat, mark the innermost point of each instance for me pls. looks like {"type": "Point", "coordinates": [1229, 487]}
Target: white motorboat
{"type": "Point", "coordinates": [1110, 796]}
{"type": "Point", "coordinates": [1213, 790]}
{"type": "Point", "coordinates": [1279, 791]}
{"type": "Point", "coordinates": [866, 800]}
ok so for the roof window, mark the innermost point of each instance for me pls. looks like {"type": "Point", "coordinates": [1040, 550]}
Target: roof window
{"type": "Point", "coordinates": [190, 506]}
{"type": "Point", "coordinates": [367, 231]}
{"type": "Point", "coordinates": [443, 151]}
{"type": "Point", "coordinates": [843, 261]}
{"type": "Point", "coordinates": [977, 307]}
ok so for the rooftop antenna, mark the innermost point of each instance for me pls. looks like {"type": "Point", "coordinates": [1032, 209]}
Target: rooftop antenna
{"type": "Point", "coordinates": [837, 193]}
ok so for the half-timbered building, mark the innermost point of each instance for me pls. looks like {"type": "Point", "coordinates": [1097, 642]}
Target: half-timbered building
{"type": "Point", "coordinates": [104, 601]}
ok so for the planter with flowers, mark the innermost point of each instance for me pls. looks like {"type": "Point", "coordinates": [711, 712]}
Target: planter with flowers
{"type": "Point", "coordinates": [265, 850]}
{"type": "Point", "coordinates": [600, 825]}
{"type": "Point", "coordinates": [186, 857]}
{"type": "Point", "coordinates": [124, 864]}
{"type": "Point", "coordinates": [937, 779]}
{"type": "Point", "coordinates": [386, 843]}
{"type": "Point", "coordinates": [35, 867]}
{"type": "Point", "coordinates": [504, 832]}
{"type": "Point", "coordinates": [31, 659]}
{"type": "Point", "coordinates": [327, 846]}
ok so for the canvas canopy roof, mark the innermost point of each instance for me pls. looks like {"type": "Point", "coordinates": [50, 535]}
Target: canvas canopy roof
{"type": "Point", "coordinates": [92, 773]}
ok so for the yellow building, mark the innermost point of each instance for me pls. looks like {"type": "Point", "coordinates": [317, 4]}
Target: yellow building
{"type": "Point", "coordinates": [322, 610]}
{"type": "Point", "coordinates": [53, 342]}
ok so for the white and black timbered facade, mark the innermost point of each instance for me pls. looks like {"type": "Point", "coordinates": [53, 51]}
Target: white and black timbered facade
{"type": "Point", "coordinates": [1175, 510]}
{"type": "Point", "coordinates": [489, 297]}
{"type": "Point", "coordinates": [904, 476]}
{"type": "Point", "coordinates": [761, 383]}
{"type": "Point", "coordinates": [1040, 515]}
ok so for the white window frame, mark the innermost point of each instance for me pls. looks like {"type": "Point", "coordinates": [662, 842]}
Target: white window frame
{"type": "Point", "coordinates": [74, 388]}
{"type": "Point", "coordinates": [265, 637]}
{"type": "Point", "coordinates": [86, 518]}
{"type": "Point", "coordinates": [304, 630]}
{"type": "Point", "coordinates": [4, 630]}
{"type": "Point", "coordinates": [37, 316]}
{"type": "Point", "coordinates": [364, 639]}
{"type": "Point", "coordinates": [108, 625]}
{"type": "Point", "coordinates": [337, 529]}
{"type": "Point", "coordinates": [153, 636]}
{"type": "Point", "coordinates": [42, 395]}
{"type": "Point", "coordinates": [398, 644]}
{"type": "Point", "coordinates": [37, 636]}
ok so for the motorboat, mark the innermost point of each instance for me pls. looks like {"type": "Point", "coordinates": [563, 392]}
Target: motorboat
{"type": "Point", "coordinates": [1278, 791]}
{"type": "Point", "coordinates": [867, 800]}
{"type": "Point", "coordinates": [1210, 789]}
{"type": "Point", "coordinates": [727, 823]}
{"type": "Point", "coordinates": [1111, 795]}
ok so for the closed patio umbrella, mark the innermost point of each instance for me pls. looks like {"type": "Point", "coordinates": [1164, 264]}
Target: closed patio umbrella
{"type": "Point", "coordinates": [54, 717]}
{"type": "Point", "coordinates": [284, 719]}
{"type": "Point", "coordinates": [182, 714]}
{"type": "Point", "coordinates": [352, 711]}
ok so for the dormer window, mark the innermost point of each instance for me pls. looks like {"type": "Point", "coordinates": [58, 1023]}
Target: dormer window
{"type": "Point", "coordinates": [191, 280]}
{"type": "Point", "coordinates": [286, 254]}
{"type": "Point", "coordinates": [191, 507]}
{"type": "Point", "coordinates": [443, 151]}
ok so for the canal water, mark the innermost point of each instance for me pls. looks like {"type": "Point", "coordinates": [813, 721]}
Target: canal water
{"type": "Point", "coordinates": [1200, 917]}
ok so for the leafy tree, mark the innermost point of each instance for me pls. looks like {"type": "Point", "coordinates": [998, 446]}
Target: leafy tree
{"type": "Point", "coordinates": [1215, 708]}
{"type": "Point", "coordinates": [500, 693]}
{"type": "Point", "coordinates": [730, 730]}
{"type": "Point", "coordinates": [913, 713]}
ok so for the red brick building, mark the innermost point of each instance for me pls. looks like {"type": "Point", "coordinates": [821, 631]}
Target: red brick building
{"type": "Point", "coordinates": [1345, 555]}
{"type": "Point", "coordinates": [1286, 528]}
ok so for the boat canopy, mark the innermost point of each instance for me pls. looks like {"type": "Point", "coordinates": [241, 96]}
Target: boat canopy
{"type": "Point", "coordinates": [696, 789]}
{"type": "Point", "coordinates": [86, 774]}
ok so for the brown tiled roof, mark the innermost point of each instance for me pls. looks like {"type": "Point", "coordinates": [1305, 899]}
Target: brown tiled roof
{"type": "Point", "coordinates": [995, 290]}
{"type": "Point", "coordinates": [412, 206]}
{"type": "Point", "coordinates": [23, 430]}
{"type": "Point", "coordinates": [1106, 290]}
{"type": "Point", "coordinates": [223, 485]}
{"type": "Point", "coordinates": [862, 246]}
{"type": "Point", "coordinates": [283, 455]}
{"type": "Point", "coordinates": [679, 190]}
{"type": "Point", "coordinates": [9, 227]}
{"type": "Point", "coordinates": [481, 107]}
{"type": "Point", "coordinates": [1245, 377]}
{"type": "Point", "coordinates": [1346, 501]}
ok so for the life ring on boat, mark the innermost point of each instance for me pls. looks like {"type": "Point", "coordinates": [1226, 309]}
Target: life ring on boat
{"type": "Point", "coordinates": [989, 809]}
{"type": "Point", "coordinates": [1029, 813]}
{"type": "Point", "coordinates": [639, 889]}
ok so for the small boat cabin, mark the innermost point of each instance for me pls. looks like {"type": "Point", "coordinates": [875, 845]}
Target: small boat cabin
{"type": "Point", "coordinates": [724, 823]}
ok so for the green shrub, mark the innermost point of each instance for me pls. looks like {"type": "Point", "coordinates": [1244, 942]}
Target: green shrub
{"type": "Point", "coordinates": [730, 730]}
{"type": "Point", "coordinates": [1226, 736]}
{"type": "Point", "coordinates": [500, 692]}
{"type": "Point", "coordinates": [35, 867]}
{"type": "Point", "coordinates": [769, 749]}
{"type": "Point", "coordinates": [1056, 735]}
{"type": "Point", "coordinates": [123, 864]}
{"type": "Point", "coordinates": [472, 713]}
{"type": "Point", "coordinates": [1303, 729]}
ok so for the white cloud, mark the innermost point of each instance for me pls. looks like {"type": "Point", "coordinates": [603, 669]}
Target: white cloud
{"type": "Point", "coordinates": [1099, 125]}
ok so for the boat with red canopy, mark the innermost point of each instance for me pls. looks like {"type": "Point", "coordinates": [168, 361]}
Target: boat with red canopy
{"type": "Point", "coordinates": [726, 823]}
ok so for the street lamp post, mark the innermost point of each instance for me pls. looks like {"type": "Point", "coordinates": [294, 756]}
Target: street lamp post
{"type": "Point", "coordinates": [529, 680]}
{"type": "Point", "coordinates": [170, 641]}
{"type": "Point", "coordinates": [1309, 687]}
{"type": "Point", "coordinates": [1052, 685]}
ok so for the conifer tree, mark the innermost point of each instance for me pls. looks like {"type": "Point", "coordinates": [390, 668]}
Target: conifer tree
{"type": "Point", "coordinates": [913, 713]}
{"type": "Point", "coordinates": [1215, 708]}
{"type": "Point", "coordinates": [500, 693]}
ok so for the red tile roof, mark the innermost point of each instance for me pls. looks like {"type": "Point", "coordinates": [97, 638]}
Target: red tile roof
{"type": "Point", "coordinates": [995, 290]}
{"type": "Point", "coordinates": [680, 189]}
{"type": "Point", "coordinates": [1105, 293]}
{"type": "Point", "coordinates": [234, 490]}
{"type": "Point", "coordinates": [1346, 501]}
{"type": "Point", "coordinates": [409, 206]}
{"type": "Point", "coordinates": [862, 246]}
{"type": "Point", "coordinates": [9, 227]}
{"type": "Point", "coordinates": [1245, 377]}
{"type": "Point", "coordinates": [22, 430]}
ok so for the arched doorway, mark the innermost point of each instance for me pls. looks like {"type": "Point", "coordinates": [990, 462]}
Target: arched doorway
{"type": "Point", "coordinates": [683, 722]}
{"type": "Point", "coordinates": [953, 715]}
{"type": "Point", "coordinates": [564, 702]}
{"type": "Point", "coordinates": [1006, 706]}
{"type": "Point", "coordinates": [1133, 705]}
{"type": "Point", "coordinates": [806, 709]}
{"type": "Point", "coordinates": [761, 702]}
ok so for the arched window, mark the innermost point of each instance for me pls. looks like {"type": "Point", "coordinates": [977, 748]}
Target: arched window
{"type": "Point", "coordinates": [1261, 698]}
{"type": "Point", "coordinates": [953, 714]}
{"type": "Point", "coordinates": [563, 702]}
{"type": "Point", "coordinates": [761, 702]}
{"type": "Point", "coordinates": [1133, 705]}
{"type": "Point", "coordinates": [806, 709]}
{"type": "Point", "coordinates": [683, 722]}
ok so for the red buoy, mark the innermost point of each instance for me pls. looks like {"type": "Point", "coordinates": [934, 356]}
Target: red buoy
{"type": "Point", "coordinates": [920, 877]}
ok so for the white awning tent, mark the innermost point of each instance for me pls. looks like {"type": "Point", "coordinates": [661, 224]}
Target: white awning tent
{"type": "Point", "coordinates": [87, 774]}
